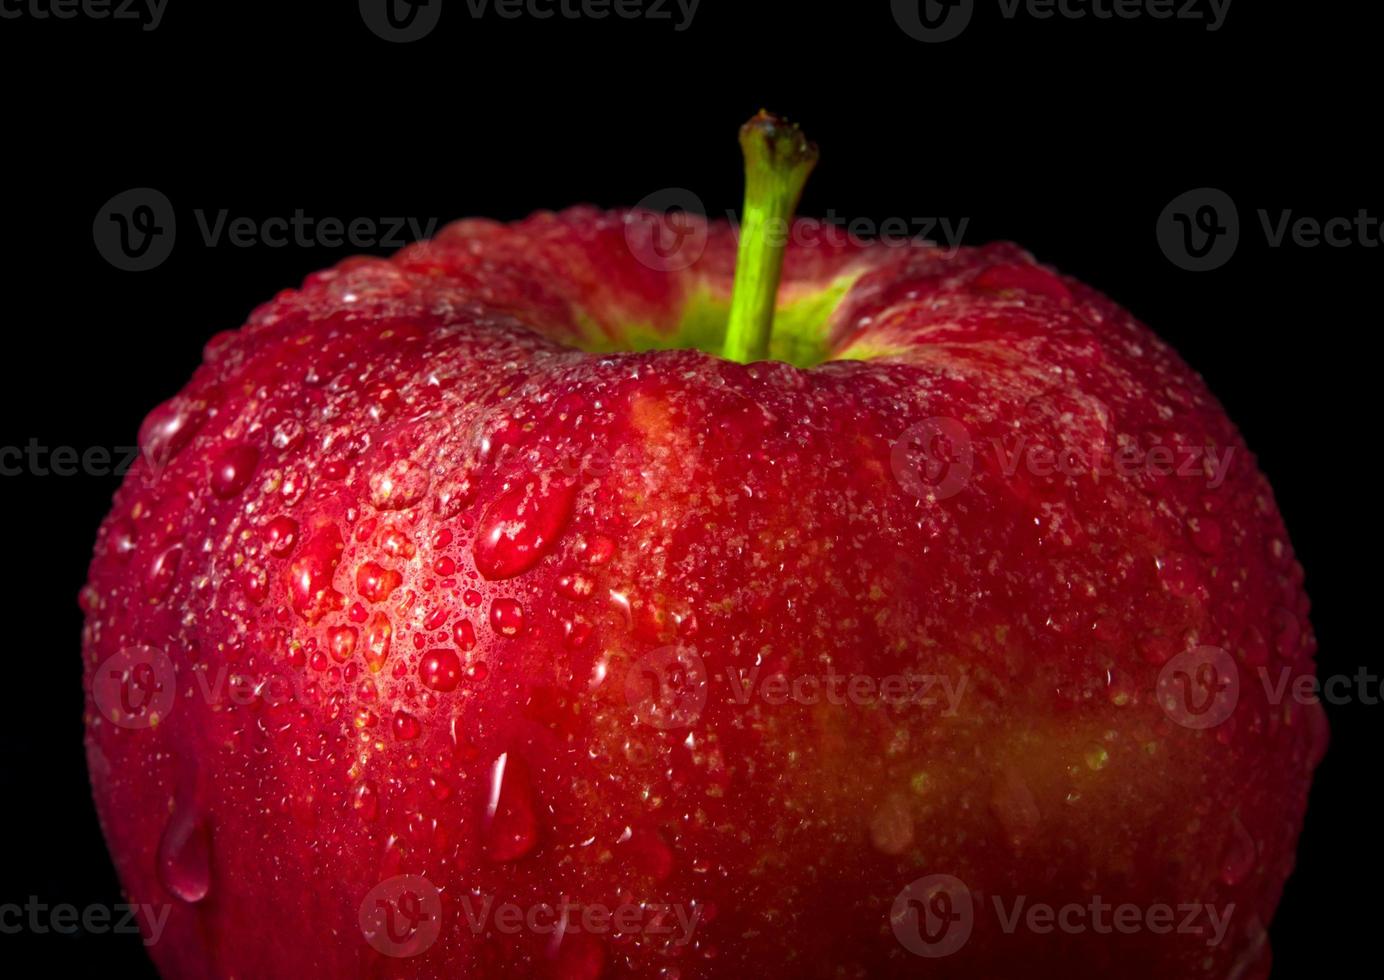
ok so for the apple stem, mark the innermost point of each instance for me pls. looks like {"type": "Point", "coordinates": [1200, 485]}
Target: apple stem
{"type": "Point", "coordinates": [778, 160]}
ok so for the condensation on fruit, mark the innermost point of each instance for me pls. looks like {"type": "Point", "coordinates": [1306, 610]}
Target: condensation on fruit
{"type": "Point", "coordinates": [184, 857]}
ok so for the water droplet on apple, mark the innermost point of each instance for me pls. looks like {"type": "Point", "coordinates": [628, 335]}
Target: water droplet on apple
{"type": "Point", "coordinates": [511, 819]}
{"type": "Point", "coordinates": [399, 485]}
{"type": "Point", "coordinates": [163, 570]}
{"type": "Point", "coordinates": [507, 616]}
{"type": "Point", "coordinates": [185, 855]}
{"type": "Point", "coordinates": [522, 525]}
{"type": "Point", "coordinates": [574, 586]}
{"type": "Point", "coordinates": [406, 727]}
{"type": "Point", "coordinates": [577, 632]}
{"type": "Point", "coordinates": [378, 638]}
{"type": "Point", "coordinates": [287, 434]}
{"type": "Point", "coordinates": [436, 619]}
{"type": "Point", "coordinates": [375, 583]}
{"type": "Point", "coordinates": [166, 430]}
{"type": "Point", "coordinates": [440, 670]}
{"type": "Point", "coordinates": [280, 535]}
{"type": "Point", "coordinates": [396, 543]}
{"type": "Point", "coordinates": [232, 471]}
{"type": "Point", "coordinates": [310, 575]}
{"type": "Point", "coordinates": [366, 800]}
{"type": "Point", "coordinates": [341, 640]}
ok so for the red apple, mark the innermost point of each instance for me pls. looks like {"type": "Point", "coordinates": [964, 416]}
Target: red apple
{"type": "Point", "coordinates": [471, 616]}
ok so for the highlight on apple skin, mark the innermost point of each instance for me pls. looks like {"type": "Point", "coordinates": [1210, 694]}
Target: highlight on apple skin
{"type": "Point", "coordinates": [553, 599]}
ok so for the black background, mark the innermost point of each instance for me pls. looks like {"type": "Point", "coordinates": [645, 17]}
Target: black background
{"type": "Point", "coordinates": [1067, 136]}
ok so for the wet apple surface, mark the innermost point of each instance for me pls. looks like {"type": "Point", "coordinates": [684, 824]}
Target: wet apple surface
{"type": "Point", "coordinates": [452, 611]}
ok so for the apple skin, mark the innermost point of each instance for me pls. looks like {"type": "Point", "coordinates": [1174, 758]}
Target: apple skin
{"type": "Point", "coordinates": [406, 496]}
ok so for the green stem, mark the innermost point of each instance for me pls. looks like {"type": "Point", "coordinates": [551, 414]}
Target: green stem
{"type": "Point", "coordinates": [778, 159]}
